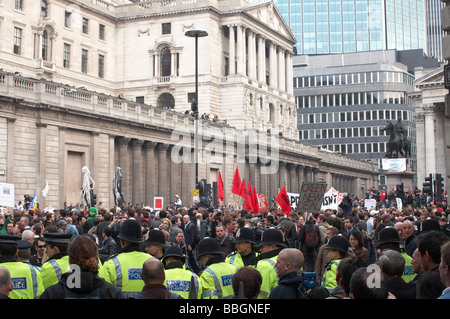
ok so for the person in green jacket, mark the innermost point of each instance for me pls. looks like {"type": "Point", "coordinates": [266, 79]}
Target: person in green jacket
{"type": "Point", "coordinates": [336, 250]}
{"type": "Point", "coordinates": [388, 238]}
{"type": "Point", "coordinates": [58, 263]}
{"type": "Point", "coordinates": [26, 280]}
{"type": "Point", "coordinates": [272, 242]}
{"type": "Point", "coordinates": [124, 270]}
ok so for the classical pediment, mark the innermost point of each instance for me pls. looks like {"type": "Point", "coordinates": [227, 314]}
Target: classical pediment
{"type": "Point", "coordinates": [432, 78]}
{"type": "Point", "coordinates": [268, 14]}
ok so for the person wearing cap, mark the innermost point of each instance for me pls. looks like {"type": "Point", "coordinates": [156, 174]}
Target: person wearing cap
{"type": "Point", "coordinates": [124, 269]}
{"type": "Point", "coordinates": [336, 250]}
{"type": "Point", "coordinates": [244, 255]}
{"type": "Point", "coordinates": [388, 238]}
{"type": "Point", "coordinates": [216, 278]}
{"type": "Point", "coordinates": [58, 261]}
{"type": "Point", "coordinates": [84, 267]}
{"type": "Point", "coordinates": [26, 280]}
{"type": "Point", "coordinates": [272, 242]}
{"type": "Point", "coordinates": [24, 253]}
{"type": "Point", "coordinates": [178, 278]}
{"type": "Point", "coordinates": [155, 243]}
{"type": "Point", "coordinates": [385, 219]}
{"type": "Point", "coordinates": [177, 203]}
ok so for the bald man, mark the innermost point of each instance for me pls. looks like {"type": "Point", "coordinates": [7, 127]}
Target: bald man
{"type": "Point", "coordinates": [153, 276]}
{"type": "Point", "coordinates": [289, 263]}
{"type": "Point", "coordinates": [5, 283]}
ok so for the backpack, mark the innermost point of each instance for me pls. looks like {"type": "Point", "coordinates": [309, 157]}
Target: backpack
{"type": "Point", "coordinates": [311, 238]}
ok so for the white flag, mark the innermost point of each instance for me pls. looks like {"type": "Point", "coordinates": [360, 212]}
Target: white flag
{"type": "Point", "coordinates": [45, 190]}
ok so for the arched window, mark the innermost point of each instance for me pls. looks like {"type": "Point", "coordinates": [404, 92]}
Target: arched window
{"type": "Point", "coordinates": [166, 62]}
{"type": "Point", "coordinates": [166, 101]}
{"type": "Point", "coordinates": [45, 46]}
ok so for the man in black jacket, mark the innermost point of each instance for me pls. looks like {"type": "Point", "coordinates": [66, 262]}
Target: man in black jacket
{"type": "Point", "coordinates": [190, 238]}
{"type": "Point", "coordinates": [289, 262]}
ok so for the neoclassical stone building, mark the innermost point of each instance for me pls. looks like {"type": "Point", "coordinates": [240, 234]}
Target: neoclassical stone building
{"type": "Point", "coordinates": [431, 118]}
{"type": "Point", "coordinates": [63, 65]}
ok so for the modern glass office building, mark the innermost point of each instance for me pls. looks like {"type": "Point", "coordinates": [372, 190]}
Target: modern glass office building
{"type": "Point", "coordinates": [344, 26]}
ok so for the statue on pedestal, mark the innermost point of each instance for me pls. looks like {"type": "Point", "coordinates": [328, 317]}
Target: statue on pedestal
{"type": "Point", "coordinates": [399, 146]}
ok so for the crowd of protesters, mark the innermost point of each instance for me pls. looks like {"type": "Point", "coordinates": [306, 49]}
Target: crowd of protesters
{"type": "Point", "coordinates": [409, 245]}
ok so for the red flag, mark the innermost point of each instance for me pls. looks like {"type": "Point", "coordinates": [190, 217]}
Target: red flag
{"type": "Point", "coordinates": [249, 197]}
{"type": "Point", "coordinates": [283, 200]}
{"type": "Point", "coordinates": [256, 209]}
{"type": "Point", "coordinates": [220, 193]}
{"type": "Point", "coordinates": [242, 189]}
{"type": "Point", "coordinates": [236, 187]}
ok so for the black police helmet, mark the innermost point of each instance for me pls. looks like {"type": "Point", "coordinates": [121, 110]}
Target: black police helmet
{"type": "Point", "coordinates": [245, 234]}
{"type": "Point", "coordinates": [272, 236]}
{"type": "Point", "coordinates": [131, 231]}
{"type": "Point", "coordinates": [338, 242]}
{"type": "Point", "coordinates": [209, 246]}
{"type": "Point", "coordinates": [156, 237]}
{"type": "Point", "coordinates": [388, 235]}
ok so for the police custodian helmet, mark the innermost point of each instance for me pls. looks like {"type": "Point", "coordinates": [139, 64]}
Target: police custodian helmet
{"type": "Point", "coordinates": [272, 236]}
{"type": "Point", "coordinates": [131, 231]}
{"type": "Point", "coordinates": [209, 246]}
{"type": "Point", "coordinates": [338, 242]}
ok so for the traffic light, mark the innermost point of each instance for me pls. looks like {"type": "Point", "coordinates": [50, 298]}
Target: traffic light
{"type": "Point", "coordinates": [428, 185]}
{"type": "Point", "coordinates": [439, 189]}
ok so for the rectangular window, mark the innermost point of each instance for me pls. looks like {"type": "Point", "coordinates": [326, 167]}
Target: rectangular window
{"type": "Point", "coordinates": [18, 5]}
{"type": "Point", "coordinates": [66, 56]}
{"type": "Point", "coordinates": [101, 32]}
{"type": "Point", "coordinates": [85, 26]}
{"type": "Point", "coordinates": [17, 41]}
{"type": "Point", "coordinates": [67, 19]}
{"type": "Point", "coordinates": [166, 28]}
{"type": "Point", "coordinates": [140, 99]}
{"type": "Point", "coordinates": [101, 66]}
{"type": "Point", "coordinates": [84, 60]}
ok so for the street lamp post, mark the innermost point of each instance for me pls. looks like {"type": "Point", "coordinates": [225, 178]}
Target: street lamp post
{"type": "Point", "coordinates": [196, 34]}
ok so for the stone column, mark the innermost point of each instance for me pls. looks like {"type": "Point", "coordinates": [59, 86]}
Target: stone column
{"type": "Point", "coordinates": [281, 71]}
{"type": "Point", "coordinates": [251, 55]}
{"type": "Point", "coordinates": [293, 178]}
{"type": "Point", "coordinates": [149, 151]}
{"type": "Point", "coordinates": [261, 59]}
{"type": "Point", "coordinates": [301, 175]}
{"type": "Point", "coordinates": [174, 178]}
{"type": "Point", "coordinates": [420, 144]}
{"type": "Point", "coordinates": [272, 62]}
{"type": "Point", "coordinates": [430, 142]}
{"type": "Point", "coordinates": [240, 50]}
{"type": "Point", "coordinates": [163, 173]}
{"type": "Point", "coordinates": [137, 172]}
{"type": "Point", "coordinates": [123, 164]}
{"type": "Point", "coordinates": [232, 63]}
{"type": "Point", "coordinates": [289, 74]}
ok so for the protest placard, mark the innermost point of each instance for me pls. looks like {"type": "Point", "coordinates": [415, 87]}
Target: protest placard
{"type": "Point", "coordinates": [158, 203]}
{"type": "Point", "coordinates": [331, 199]}
{"type": "Point", "coordinates": [311, 196]}
{"type": "Point", "coordinates": [6, 195]}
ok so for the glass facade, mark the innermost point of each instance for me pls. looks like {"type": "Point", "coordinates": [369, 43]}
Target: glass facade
{"type": "Point", "coordinates": [345, 108]}
{"type": "Point", "coordinates": [343, 26]}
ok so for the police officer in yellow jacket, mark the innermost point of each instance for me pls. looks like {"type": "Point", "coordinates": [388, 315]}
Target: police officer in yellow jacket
{"type": "Point", "coordinates": [178, 279]}
{"type": "Point", "coordinates": [26, 279]}
{"type": "Point", "coordinates": [58, 263]}
{"type": "Point", "coordinates": [388, 238]}
{"type": "Point", "coordinates": [244, 254]}
{"type": "Point", "coordinates": [124, 269]}
{"type": "Point", "coordinates": [336, 250]}
{"type": "Point", "coordinates": [216, 278]}
{"type": "Point", "coordinates": [271, 244]}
